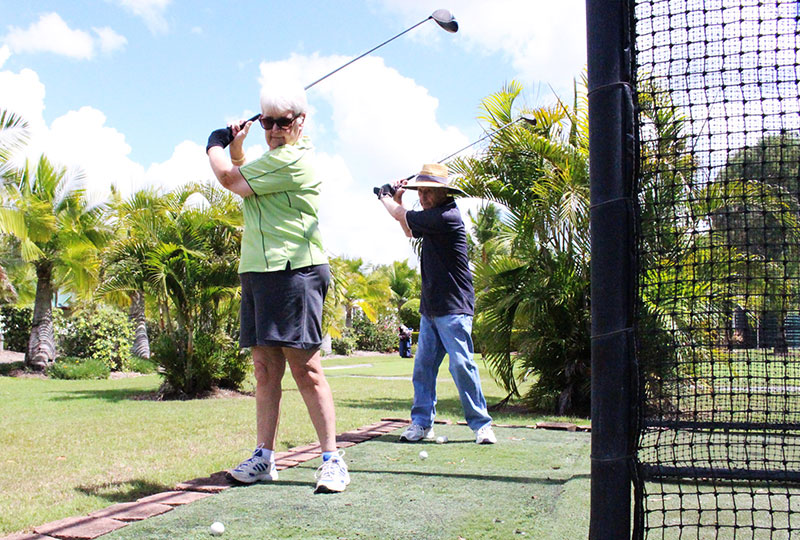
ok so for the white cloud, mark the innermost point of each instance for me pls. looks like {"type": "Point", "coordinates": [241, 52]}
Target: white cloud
{"type": "Point", "coordinates": [549, 47]}
{"type": "Point", "coordinates": [51, 34]}
{"type": "Point", "coordinates": [80, 139]}
{"type": "Point", "coordinates": [382, 127]}
{"type": "Point", "coordinates": [371, 125]}
{"type": "Point", "coordinates": [152, 11]}
{"type": "Point", "coordinates": [5, 54]}
{"type": "Point", "coordinates": [23, 94]}
{"type": "Point", "coordinates": [188, 163]}
{"type": "Point", "coordinates": [109, 41]}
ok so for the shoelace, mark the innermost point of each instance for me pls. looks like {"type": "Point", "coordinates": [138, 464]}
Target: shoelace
{"type": "Point", "coordinates": [326, 470]}
{"type": "Point", "coordinates": [417, 431]}
{"type": "Point", "coordinates": [250, 460]}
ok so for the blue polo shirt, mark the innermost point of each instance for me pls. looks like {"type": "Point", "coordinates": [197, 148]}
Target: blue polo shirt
{"type": "Point", "coordinates": [446, 277]}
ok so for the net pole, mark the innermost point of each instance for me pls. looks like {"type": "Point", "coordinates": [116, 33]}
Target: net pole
{"type": "Point", "coordinates": [612, 267]}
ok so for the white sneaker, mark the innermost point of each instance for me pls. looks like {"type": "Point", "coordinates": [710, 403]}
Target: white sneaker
{"type": "Point", "coordinates": [332, 476]}
{"type": "Point", "coordinates": [485, 435]}
{"type": "Point", "coordinates": [415, 432]}
{"type": "Point", "coordinates": [255, 468]}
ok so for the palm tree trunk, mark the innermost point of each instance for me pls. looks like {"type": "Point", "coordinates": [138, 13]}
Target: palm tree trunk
{"type": "Point", "coordinates": [42, 343]}
{"type": "Point", "coordinates": [141, 342]}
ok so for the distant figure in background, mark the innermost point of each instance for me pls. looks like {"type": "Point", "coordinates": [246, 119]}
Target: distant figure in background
{"type": "Point", "coordinates": [405, 341]}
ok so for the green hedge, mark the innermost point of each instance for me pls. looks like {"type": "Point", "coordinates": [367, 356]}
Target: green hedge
{"type": "Point", "coordinates": [16, 327]}
{"type": "Point", "coordinates": [78, 368]}
{"type": "Point", "coordinates": [101, 332]}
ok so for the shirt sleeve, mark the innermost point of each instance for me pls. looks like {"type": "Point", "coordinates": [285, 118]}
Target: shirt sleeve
{"type": "Point", "coordinates": [277, 170]}
{"type": "Point", "coordinates": [434, 221]}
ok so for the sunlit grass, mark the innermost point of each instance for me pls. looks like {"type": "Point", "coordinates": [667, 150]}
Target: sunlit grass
{"type": "Point", "coordinates": [71, 447]}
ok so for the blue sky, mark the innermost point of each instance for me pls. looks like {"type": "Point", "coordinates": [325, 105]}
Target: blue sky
{"type": "Point", "coordinates": [128, 90]}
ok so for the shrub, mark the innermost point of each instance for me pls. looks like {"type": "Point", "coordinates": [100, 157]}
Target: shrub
{"type": "Point", "coordinates": [344, 345]}
{"type": "Point", "coordinates": [142, 365]}
{"type": "Point", "coordinates": [216, 360]}
{"type": "Point", "coordinates": [380, 336]}
{"type": "Point", "coordinates": [409, 313]}
{"type": "Point", "coordinates": [68, 367]}
{"type": "Point", "coordinates": [16, 327]}
{"type": "Point", "coordinates": [100, 332]}
{"type": "Point", "coordinates": [229, 363]}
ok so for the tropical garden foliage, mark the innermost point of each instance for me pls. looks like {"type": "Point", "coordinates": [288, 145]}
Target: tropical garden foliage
{"type": "Point", "coordinates": [169, 259]}
{"type": "Point", "coordinates": [531, 251]}
{"type": "Point", "coordinates": [714, 241]}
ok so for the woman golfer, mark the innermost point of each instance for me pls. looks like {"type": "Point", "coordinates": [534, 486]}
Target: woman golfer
{"type": "Point", "coordinates": [284, 275]}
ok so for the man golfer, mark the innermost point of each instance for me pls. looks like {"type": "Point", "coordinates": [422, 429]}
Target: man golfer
{"type": "Point", "coordinates": [447, 303]}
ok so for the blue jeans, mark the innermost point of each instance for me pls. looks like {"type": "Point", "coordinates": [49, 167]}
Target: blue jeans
{"type": "Point", "coordinates": [451, 334]}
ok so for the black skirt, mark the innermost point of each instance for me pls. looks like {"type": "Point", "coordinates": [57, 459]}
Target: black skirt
{"type": "Point", "coordinates": [284, 308]}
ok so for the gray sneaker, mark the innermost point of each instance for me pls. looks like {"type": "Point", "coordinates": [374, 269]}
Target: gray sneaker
{"type": "Point", "coordinates": [255, 468]}
{"type": "Point", "coordinates": [332, 476]}
{"type": "Point", "coordinates": [415, 432]}
{"type": "Point", "coordinates": [485, 435]}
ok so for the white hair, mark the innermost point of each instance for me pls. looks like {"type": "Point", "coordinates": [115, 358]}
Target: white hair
{"type": "Point", "coordinates": [281, 95]}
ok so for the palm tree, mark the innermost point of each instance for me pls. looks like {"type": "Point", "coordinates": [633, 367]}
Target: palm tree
{"type": "Point", "coordinates": [13, 136]}
{"type": "Point", "coordinates": [486, 229]}
{"type": "Point", "coordinates": [404, 282]}
{"type": "Point", "coordinates": [356, 288]}
{"type": "Point", "coordinates": [191, 271]}
{"type": "Point", "coordinates": [138, 221]}
{"type": "Point", "coordinates": [532, 289]}
{"type": "Point", "coordinates": [60, 234]}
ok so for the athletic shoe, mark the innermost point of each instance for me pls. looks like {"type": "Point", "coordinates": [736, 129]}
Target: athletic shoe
{"type": "Point", "coordinates": [332, 475]}
{"type": "Point", "coordinates": [485, 435]}
{"type": "Point", "coordinates": [415, 432]}
{"type": "Point", "coordinates": [255, 468]}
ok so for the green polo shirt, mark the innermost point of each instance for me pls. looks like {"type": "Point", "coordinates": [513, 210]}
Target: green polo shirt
{"type": "Point", "coordinates": [281, 218]}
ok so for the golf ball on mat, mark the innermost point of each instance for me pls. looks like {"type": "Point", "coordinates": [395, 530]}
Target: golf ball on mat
{"type": "Point", "coordinates": [441, 439]}
{"type": "Point", "coordinates": [217, 528]}
{"type": "Point", "coordinates": [423, 455]}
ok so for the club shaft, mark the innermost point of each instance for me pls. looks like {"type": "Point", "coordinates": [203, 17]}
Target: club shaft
{"type": "Point", "coordinates": [501, 128]}
{"type": "Point", "coordinates": [366, 53]}
{"type": "Point", "coordinates": [254, 118]}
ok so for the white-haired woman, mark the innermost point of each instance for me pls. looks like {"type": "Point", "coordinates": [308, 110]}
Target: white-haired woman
{"type": "Point", "coordinates": [284, 275]}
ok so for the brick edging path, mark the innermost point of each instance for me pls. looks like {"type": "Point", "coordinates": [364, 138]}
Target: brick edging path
{"type": "Point", "coordinates": [119, 515]}
{"type": "Point", "coordinates": [114, 517]}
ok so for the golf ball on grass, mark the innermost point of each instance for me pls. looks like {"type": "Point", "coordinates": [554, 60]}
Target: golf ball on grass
{"type": "Point", "coordinates": [216, 528]}
{"type": "Point", "coordinates": [423, 455]}
{"type": "Point", "coordinates": [441, 439]}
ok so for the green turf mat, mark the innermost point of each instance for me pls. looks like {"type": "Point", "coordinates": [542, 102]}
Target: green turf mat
{"type": "Point", "coordinates": [532, 483]}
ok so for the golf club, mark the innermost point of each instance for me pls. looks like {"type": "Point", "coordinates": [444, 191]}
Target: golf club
{"type": "Point", "coordinates": [443, 18]}
{"type": "Point", "coordinates": [527, 118]}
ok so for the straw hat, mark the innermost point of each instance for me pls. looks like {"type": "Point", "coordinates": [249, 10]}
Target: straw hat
{"type": "Point", "coordinates": [433, 175]}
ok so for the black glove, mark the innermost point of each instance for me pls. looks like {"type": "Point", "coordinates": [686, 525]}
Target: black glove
{"type": "Point", "coordinates": [220, 137]}
{"type": "Point", "coordinates": [386, 190]}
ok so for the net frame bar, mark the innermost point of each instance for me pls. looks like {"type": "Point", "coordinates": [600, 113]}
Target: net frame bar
{"type": "Point", "coordinates": [611, 164]}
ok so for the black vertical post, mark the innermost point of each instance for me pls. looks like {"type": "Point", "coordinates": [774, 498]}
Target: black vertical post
{"type": "Point", "coordinates": [611, 177]}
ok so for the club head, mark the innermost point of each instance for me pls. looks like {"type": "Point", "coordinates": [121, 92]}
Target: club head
{"type": "Point", "coordinates": [528, 119]}
{"type": "Point", "coordinates": [446, 20]}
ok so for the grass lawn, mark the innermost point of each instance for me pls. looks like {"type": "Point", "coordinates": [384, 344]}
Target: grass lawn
{"type": "Point", "coordinates": [531, 484]}
{"type": "Point", "coordinates": [72, 447]}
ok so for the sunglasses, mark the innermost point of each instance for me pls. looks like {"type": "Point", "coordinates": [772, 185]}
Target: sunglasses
{"type": "Point", "coordinates": [268, 122]}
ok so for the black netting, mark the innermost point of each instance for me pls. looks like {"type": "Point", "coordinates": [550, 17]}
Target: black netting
{"type": "Point", "coordinates": [717, 87]}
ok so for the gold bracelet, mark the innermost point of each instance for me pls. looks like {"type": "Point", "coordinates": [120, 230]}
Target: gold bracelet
{"type": "Point", "coordinates": [238, 162]}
